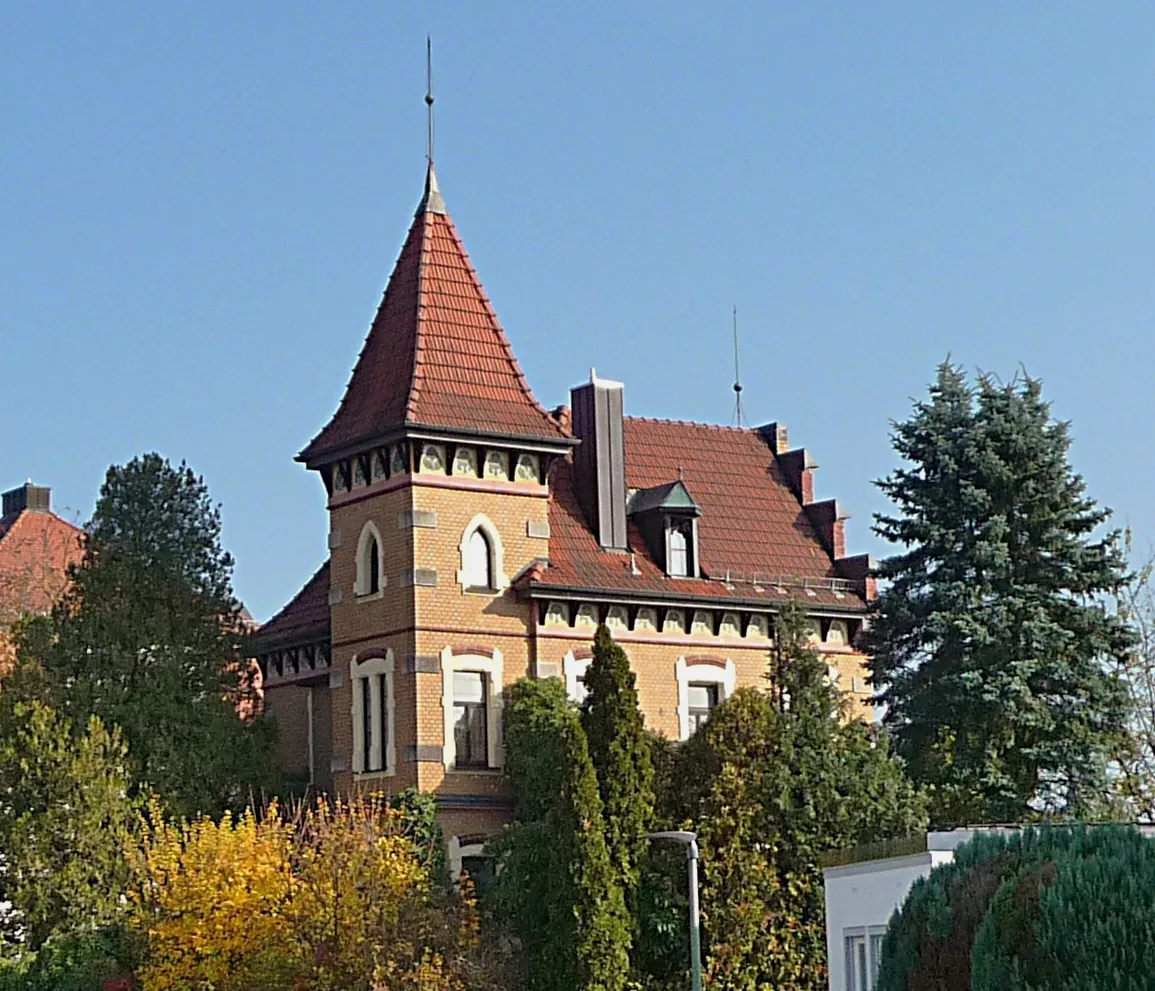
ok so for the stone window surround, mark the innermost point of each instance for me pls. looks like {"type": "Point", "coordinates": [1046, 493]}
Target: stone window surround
{"type": "Point", "coordinates": [721, 673]}
{"type": "Point", "coordinates": [496, 551]}
{"type": "Point", "coordinates": [573, 670]}
{"type": "Point", "coordinates": [365, 665]}
{"type": "Point", "coordinates": [493, 667]}
{"type": "Point", "coordinates": [456, 852]}
{"type": "Point", "coordinates": [361, 582]}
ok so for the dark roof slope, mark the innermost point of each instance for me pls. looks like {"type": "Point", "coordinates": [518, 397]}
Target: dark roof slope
{"type": "Point", "coordinates": [304, 620]}
{"type": "Point", "coordinates": [436, 355]}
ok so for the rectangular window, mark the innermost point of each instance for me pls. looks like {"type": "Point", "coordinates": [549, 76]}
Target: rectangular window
{"type": "Point", "coordinates": [470, 719]}
{"type": "Point", "coordinates": [700, 699]}
{"type": "Point", "coordinates": [863, 955]}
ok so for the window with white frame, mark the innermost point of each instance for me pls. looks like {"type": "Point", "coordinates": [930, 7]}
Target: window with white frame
{"type": "Point", "coordinates": [482, 557]}
{"type": "Point", "coordinates": [470, 719]}
{"type": "Point", "coordinates": [472, 703]}
{"type": "Point", "coordinates": [701, 700]}
{"type": "Point", "coordinates": [374, 741]}
{"type": "Point", "coordinates": [863, 949]}
{"type": "Point", "coordinates": [369, 565]}
{"type": "Point", "coordinates": [478, 566]}
{"type": "Point", "coordinates": [703, 684]}
{"type": "Point", "coordinates": [575, 674]}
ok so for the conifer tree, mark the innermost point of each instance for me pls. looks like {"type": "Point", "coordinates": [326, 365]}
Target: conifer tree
{"type": "Point", "coordinates": [620, 750]}
{"type": "Point", "coordinates": [150, 638]}
{"type": "Point", "coordinates": [557, 884]}
{"type": "Point", "coordinates": [990, 644]}
{"type": "Point", "coordinates": [775, 779]}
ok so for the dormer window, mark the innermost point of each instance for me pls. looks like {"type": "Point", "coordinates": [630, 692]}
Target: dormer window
{"type": "Point", "coordinates": [667, 518]}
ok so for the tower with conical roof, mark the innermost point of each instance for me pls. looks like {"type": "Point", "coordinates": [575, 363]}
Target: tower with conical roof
{"type": "Point", "coordinates": [435, 466]}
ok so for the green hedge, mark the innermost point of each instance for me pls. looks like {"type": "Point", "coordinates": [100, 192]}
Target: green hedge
{"type": "Point", "coordinates": [1047, 909]}
{"type": "Point", "coordinates": [81, 962]}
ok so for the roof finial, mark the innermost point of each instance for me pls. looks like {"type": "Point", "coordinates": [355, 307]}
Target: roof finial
{"type": "Point", "coordinates": [429, 99]}
{"type": "Point", "coordinates": [737, 374]}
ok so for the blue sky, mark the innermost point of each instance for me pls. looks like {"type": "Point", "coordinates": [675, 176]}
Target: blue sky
{"type": "Point", "coordinates": [200, 205]}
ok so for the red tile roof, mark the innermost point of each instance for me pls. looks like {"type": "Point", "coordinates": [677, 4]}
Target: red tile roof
{"type": "Point", "coordinates": [436, 355]}
{"type": "Point", "coordinates": [305, 619]}
{"type": "Point", "coordinates": [752, 525]}
{"type": "Point", "coordinates": [36, 549]}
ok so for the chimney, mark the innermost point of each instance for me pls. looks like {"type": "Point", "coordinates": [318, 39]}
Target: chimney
{"type": "Point", "coordinates": [599, 461]}
{"type": "Point", "coordinates": [36, 498]}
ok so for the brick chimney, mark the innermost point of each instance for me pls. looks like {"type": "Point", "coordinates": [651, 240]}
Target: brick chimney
{"type": "Point", "coordinates": [35, 498]}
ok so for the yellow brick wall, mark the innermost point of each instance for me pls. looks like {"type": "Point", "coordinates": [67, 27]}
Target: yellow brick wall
{"type": "Point", "coordinates": [422, 621]}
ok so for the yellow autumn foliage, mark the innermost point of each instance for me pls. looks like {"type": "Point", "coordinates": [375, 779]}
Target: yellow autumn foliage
{"type": "Point", "coordinates": [329, 898]}
{"type": "Point", "coordinates": [212, 900]}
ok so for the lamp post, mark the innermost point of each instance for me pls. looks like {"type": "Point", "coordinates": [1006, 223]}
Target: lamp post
{"type": "Point", "coordinates": [690, 842]}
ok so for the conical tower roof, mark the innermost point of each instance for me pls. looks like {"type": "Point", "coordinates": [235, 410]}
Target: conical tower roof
{"type": "Point", "coordinates": [436, 357]}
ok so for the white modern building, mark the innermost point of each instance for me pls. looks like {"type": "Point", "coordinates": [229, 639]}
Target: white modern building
{"type": "Point", "coordinates": [864, 887]}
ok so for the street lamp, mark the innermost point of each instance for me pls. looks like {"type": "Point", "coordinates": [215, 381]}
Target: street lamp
{"type": "Point", "coordinates": [690, 841]}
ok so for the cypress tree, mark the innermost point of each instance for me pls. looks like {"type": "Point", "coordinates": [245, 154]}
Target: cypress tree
{"type": "Point", "coordinates": [620, 750]}
{"type": "Point", "coordinates": [993, 652]}
{"type": "Point", "coordinates": [772, 781]}
{"type": "Point", "coordinates": [557, 885]}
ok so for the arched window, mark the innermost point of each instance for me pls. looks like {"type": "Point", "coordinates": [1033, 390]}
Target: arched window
{"type": "Point", "coordinates": [374, 553]}
{"type": "Point", "coordinates": [370, 577]}
{"type": "Point", "coordinates": [478, 561]}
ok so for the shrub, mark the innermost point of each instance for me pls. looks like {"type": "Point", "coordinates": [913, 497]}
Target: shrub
{"type": "Point", "coordinates": [1057, 908]}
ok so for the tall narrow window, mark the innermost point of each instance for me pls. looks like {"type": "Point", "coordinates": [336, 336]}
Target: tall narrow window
{"type": "Point", "coordinates": [470, 723]}
{"type": "Point", "coordinates": [478, 566]}
{"type": "Point", "coordinates": [702, 699]}
{"type": "Point", "coordinates": [374, 562]}
{"type": "Point", "coordinates": [678, 560]}
{"type": "Point", "coordinates": [366, 686]}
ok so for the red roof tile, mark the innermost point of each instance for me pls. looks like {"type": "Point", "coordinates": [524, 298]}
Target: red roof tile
{"type": "Point", "coordinates": [752, 525]}
{"type": "Point", "coordinates": [36, 549]}
{"type": "Point", "coordinates": [436, 355]}
{"type": "Point", "coordinates": [304, 620]}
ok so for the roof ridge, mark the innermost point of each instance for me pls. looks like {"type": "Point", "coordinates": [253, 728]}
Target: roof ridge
{"type": "Point", "coordinates": [417, 378]}
{"type": "Point", "coordinates": [696, 423]}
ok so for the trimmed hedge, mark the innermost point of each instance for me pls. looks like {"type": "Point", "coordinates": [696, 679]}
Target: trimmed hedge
{"type": "Point", "coordinates": [1046, 909]}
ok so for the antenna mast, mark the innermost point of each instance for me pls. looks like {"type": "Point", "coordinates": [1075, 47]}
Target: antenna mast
{"type": "Point", "coordinates": [429, 99]}
{"type": "Point", "coordinates": [737, 374]}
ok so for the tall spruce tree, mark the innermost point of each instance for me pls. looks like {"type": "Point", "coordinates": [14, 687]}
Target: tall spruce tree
{"type": "Point", "coordinates": [772, 781]}
{"type": "Point", "coordinates": [620, 750]}
{"type": "Point", "coordinates": [993, 651]}
{"type": "Point", "coordinates": [557, 885]}
{"type": "Point", "coordinates": [151, 639]}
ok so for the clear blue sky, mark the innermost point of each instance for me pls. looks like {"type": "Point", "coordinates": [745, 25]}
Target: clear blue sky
{"type": "Point", "coordinates": [200, 204]}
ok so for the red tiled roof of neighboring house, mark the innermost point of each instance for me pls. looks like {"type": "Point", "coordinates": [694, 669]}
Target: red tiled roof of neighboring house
{"type": "Point", "coordinates": [752, 526]}
{"type": "Point", "coordinates": [36, 549]}
{"type": "Point", "coordinates": [305, 619]}
{"type": "Point", "coordinates": [436, 355]}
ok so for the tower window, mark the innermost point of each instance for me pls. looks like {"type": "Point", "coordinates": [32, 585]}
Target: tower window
{"type": "Point", "coordinates": [370, 578]}
{"type": "Point", "coordinates": [470, 719]}
{"type": "Point", "coordinates": [372, 683]}
{"type": "Point", "coordinates": [374, 567]}
{"type": "Point", "coordinates": [478, 561]}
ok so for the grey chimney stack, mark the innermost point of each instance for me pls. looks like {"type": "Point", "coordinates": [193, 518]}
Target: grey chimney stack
{"type": "Point", "coordinates": [37, 498]}
{"type": "Point", "coordinates": [599, 461]}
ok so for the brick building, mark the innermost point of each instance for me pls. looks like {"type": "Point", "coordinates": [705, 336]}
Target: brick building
{"type": "Point", "coordinates": [36, 548]}
{"type": "Point", "coordinates": [477, 538]}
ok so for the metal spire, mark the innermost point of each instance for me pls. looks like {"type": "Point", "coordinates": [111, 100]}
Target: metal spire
{"type": "Point", "coordinates": [737, 374]}
{"type": "Point", "coordinates": [429, 98]}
